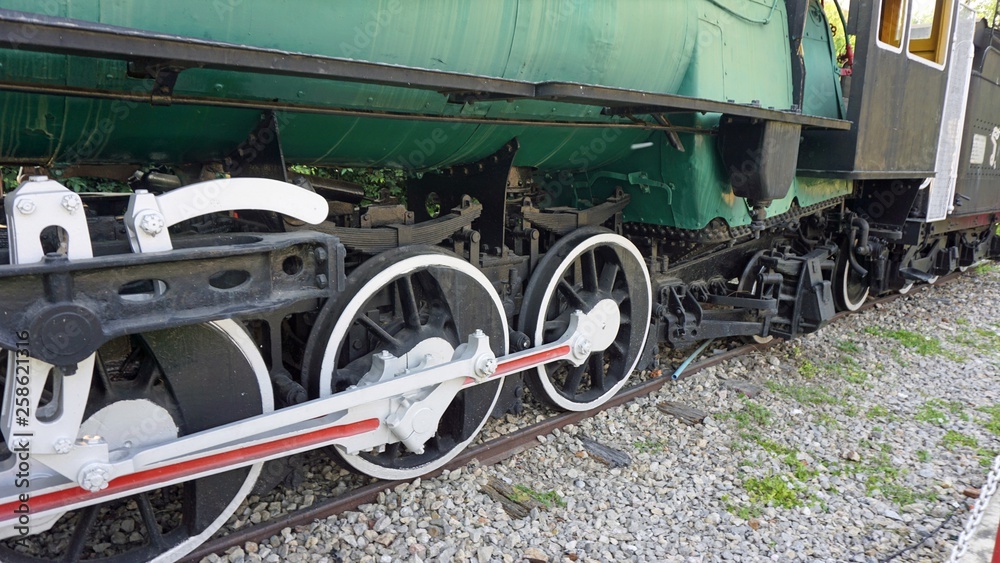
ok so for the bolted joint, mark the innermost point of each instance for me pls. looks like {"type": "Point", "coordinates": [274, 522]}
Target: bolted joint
{"type": "Point", "coordinates": [95, 477]}
{"type": "Point", "coordinates": [582, 348]}
{"type": "Point", "coordinates": [63, 446]}
{"type": "Point", "coordinates": [71, 203]}
{"type": "Point", "coordinates": [152, 224]}
{"type": "Point", "coordinates": [486, 365]}
{"type": "Point", "coordinates": [25, 206]}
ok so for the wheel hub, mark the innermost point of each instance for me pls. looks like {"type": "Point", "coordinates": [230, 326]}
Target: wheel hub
{"type": "Point", "coordinates": [603, 276]}
{"type": "Point", "coordinates": [402, 310]}
{"type": "Point", "coordinates": [124, 425]}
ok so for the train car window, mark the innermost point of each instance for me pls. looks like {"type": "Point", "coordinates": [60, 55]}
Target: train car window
{"type": "Point", "coordinates": [892, 20]}
{"type": "Point", "coordinates": [929, 27]}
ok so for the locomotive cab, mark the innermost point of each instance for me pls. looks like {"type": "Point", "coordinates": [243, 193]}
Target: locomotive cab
{"type": "Point", "coordinates": [899, 84]}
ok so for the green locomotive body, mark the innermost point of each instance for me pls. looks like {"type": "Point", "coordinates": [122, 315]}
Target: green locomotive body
{"type": "Point", "coordinates": [676, 47]}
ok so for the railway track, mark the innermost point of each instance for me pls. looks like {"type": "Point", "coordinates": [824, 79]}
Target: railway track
{"type": "Point", "coordinates": [490, 452]}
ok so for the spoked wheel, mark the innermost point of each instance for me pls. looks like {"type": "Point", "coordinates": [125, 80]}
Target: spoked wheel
{"type": "Point", "coordinates": [148, 389]}
{"type": "Point", "coordinates": [851, 289]}
{"type": "Point", "coordinates": [578, 272]}
{"type": "Point", "coordinates": [411, 302]}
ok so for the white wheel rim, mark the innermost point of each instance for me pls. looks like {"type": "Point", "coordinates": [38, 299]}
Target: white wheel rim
{"type": "Point", "coordinates": [346, 319]}
{"type": "Point", "coordinates": [851, 306]}
{"type": "Point", "coordinates": [242, 341]}
{"type": "Point", "coordinates": [596, 240]}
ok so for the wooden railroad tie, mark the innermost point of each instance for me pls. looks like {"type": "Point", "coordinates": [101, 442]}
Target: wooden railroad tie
{"type": "Point", "coordinates": [743, 387]}
{"type": "Point", "coordinates": [516, 504]}
{"type": "Point", "coordinates": [687, 415]}
{"type": "Point", "coordinates": [607, 455]}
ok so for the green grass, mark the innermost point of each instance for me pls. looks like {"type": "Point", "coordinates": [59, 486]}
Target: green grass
{"type": "Point", "coordinates": [956, 408]}
{"type": "Point", "coordinates": [953, 439]}
{"type": "Point", "coordinates": [928, 413]}
{"type": "Point", "coordinates": [986, 268]}
{"type": "Point", "coordinates": [805, 394]}
{"type": "Point", "coordinates": [883, 477]}
{"type": "Point", "coordinates": [989, 338]}
{"type": "Point", "coordinates": [768, 445]}
{"type": "Point", "coordinates": [923, 345]}
{"type": "Point", "coordinates": [848, 347]}
{"type": "Point", "coordinates": [808, 369]}
{"type": "Point", "coordinates": [849, 369]}
{"type": "Point", "coordinates": [827, 420]}
{"type": "Point", "coordinates": [772, 490]}
{"type": "Point", "coordinates": [979, 339]}
{"type": "Point", "coordinates": [744, 512]}
{"type": "Point", "coordinates": [966, 339]}
{"type": "Point", "coordinates": [750, 415]}
{"type": "Point", "coordinates": [547, 498]}
{"type": "Point", "coordinates": [986, 456]}
{"type": "Point", "coordinates": [992, 425]}
{"type": "Point", "coordinates": [856, 377]}
{"type": "Point", "coordinates": [897, 356]}
{"type": "Point", "coordinates": [649, 446]}
{"type": "Point", "coordinates": [923, 456]}
{"type": "Point", "coordinates": [878, 411]}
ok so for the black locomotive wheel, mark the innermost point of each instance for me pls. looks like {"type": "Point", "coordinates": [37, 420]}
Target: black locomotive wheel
{"type": "Point", "coordinates": [851, 289]}
{"type": "Point", "coordinates": [414, 301]}
{"type": "Point", "coordinates": [147, 389]}
{"type": "Point", "coordinates": [748, 285]}
{"type": "Point", "coordinates": [578, 272]}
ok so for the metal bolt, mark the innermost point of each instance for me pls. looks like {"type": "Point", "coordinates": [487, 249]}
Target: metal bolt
{"type": "Point", "coordinates": [322, 281]}
{"type": "Point", "coordinates": [152, 224]}
{"type": "Point", "coordinates": [385, 355]}
{"type": "Point", "coordinates": [582, 348]}
{"type": "Point", "coordinates": [486, 366]}
{"type": "Point", "coordinates": [71, 203]}
{"type": "Point", "coordinates": [25, 206]}
{"type": "Point", "coordinates": [63, 446]}
{"type": "Point", "coordinates": [95, 478]}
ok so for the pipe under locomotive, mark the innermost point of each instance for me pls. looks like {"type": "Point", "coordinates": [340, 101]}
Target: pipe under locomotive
{"type": "Point", "coordinates": [586, 181]}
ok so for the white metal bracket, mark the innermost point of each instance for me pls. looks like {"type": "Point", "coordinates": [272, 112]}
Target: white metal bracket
{"type": "Point", "coordinates": [148, 217]}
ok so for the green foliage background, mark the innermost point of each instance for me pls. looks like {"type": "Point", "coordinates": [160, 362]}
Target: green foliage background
{"type": "Point", "coordinates": [373, 180]}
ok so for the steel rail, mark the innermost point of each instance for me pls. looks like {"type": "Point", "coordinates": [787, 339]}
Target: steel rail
{"type": "Point", "coordinates": [496, 450]}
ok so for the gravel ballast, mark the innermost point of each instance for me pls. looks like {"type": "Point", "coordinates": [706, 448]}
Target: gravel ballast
{"type": "Point", "coordinates": [866, 439]}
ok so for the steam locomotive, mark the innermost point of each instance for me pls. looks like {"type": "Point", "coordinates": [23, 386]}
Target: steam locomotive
{"type": "Point", "coordinates": [585, 181]}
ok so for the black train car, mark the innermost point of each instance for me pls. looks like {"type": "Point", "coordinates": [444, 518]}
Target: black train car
{"type": "Point", "coordinates": [922, 151]}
